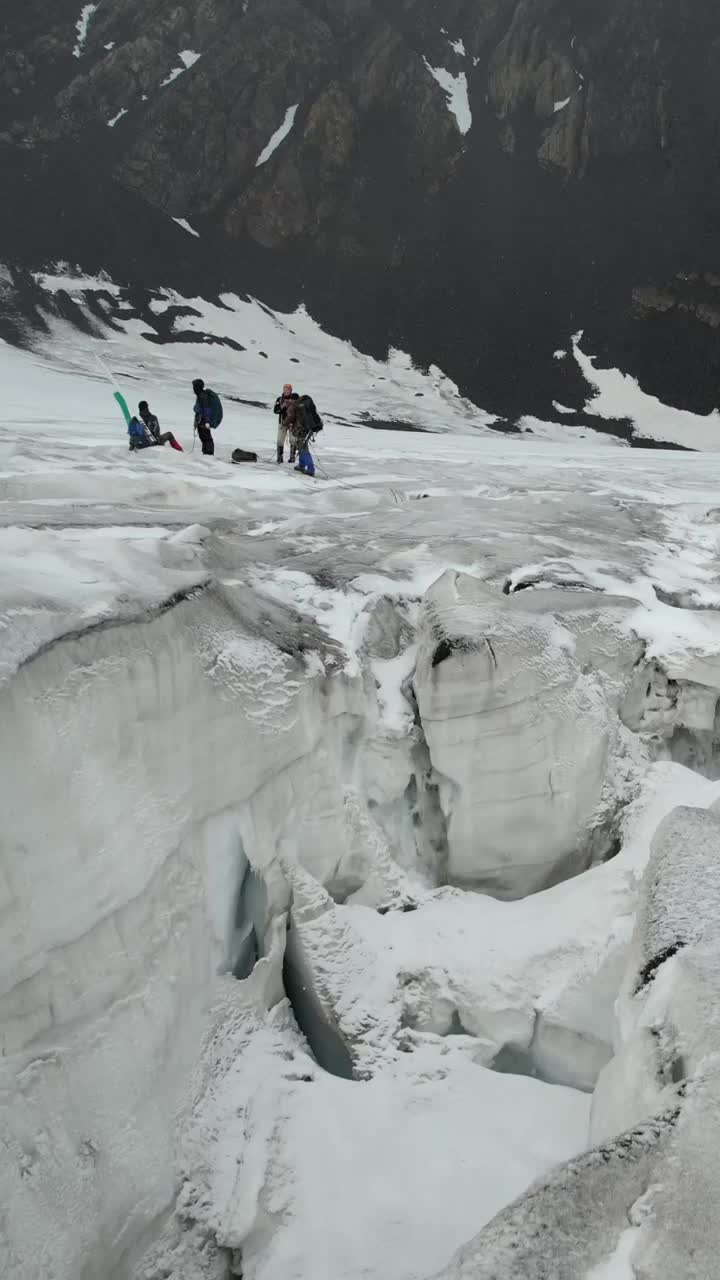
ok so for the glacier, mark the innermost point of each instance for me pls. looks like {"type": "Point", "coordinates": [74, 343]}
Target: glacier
{"type": "Point", "coordinates": [359, 838]}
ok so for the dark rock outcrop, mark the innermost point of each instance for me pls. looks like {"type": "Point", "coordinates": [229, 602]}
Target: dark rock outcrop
{"type": "Point", "coordinates": [585, 194]}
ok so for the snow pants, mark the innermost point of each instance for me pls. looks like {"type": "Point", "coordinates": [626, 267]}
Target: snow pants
{"type": "Point", "coordinates": [206, 439]}
{"type": "Point", "coordinates": [167, 437]}
{"type": "Point", "coordinates": [305, 458]}
{"type": "Point", "coordinates": [282, 434]}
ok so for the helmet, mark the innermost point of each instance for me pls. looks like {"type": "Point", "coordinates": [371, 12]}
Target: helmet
{"type": "Point", "coordinates": [198, 386]}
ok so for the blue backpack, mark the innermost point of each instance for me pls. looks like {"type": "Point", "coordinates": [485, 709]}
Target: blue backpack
{"type": "Point", "coordinates": [139, 434]}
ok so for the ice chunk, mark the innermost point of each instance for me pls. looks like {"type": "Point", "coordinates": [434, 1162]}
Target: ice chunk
{"type": "Point", "coordinates": [560, 106]}
{"type": "Point", "coordinates": [686, 854]}
{"type": "Point", "coordinates": [122, 112]}
{"type": "Point", "coordinates": [563, 1225]}
{"type": "Point", "coordinates": [541, 991]}
{"type": "Point", "coordinates": [668, 1042]}
{"type": "Point", "coordinates": [279, 135]}
{"type": "Point", "coordinates": [456, 93]}
{"type": "Point", "coordinates": [520, 733]}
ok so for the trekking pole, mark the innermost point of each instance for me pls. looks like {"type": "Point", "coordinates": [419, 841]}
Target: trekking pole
{"type": "Point", "coordinates": [106, 372]}
{"type": "Point", "coordinates": [117, 393]}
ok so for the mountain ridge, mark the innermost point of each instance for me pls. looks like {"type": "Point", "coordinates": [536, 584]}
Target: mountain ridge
{"type": "Point", "coordinates": [584, 194]}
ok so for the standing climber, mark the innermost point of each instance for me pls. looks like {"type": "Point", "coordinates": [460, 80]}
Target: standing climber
{"type": "Point", "coordinates": [306, 425]}
{"type": "Point", "coordinates": [153, 426]}
{"type": "Point", "coordinates": [285, 408]}
{"type": "Point", "coordinates": [208, 414]}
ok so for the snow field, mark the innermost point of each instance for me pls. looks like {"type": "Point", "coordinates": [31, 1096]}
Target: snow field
{"type": "Point", "coordinates": [211, 667]}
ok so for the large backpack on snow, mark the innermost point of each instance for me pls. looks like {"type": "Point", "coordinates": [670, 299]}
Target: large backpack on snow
{"type": "Point", "coordinates": [215, 408]}
{"type": "Point", "coordinates": [309, 415]}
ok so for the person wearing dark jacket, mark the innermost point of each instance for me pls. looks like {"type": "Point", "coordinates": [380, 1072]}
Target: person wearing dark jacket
{"type": "Point", "coordinates": [153, 426]}
{"type": "Point", "coordinates": [305, 424]}
{"type": "Point", "coordinates": [286, 410]}
{"type": "Point", "coordinates": [204, 410]}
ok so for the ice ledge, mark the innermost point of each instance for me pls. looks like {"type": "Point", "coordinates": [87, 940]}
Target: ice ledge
{"type": "Point", "coordinates": [51, 590]}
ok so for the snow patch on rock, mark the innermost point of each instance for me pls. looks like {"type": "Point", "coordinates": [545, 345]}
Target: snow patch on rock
{"type": "Point", "coordinates": [182, 222]}
{"type": "Point", "coordinates": [188, 58]}
{"type": "Point", "coordinates": [616, 394]}
{"type": "Point", "coordinates": [455, 88]}
{"type": "Point", "coordinates": [278, 136]}
{"type": "Point", "coordinates": [82, 25]}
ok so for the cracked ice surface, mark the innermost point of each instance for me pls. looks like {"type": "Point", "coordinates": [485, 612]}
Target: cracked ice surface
{"type": "Point", "coordinates": [206, 667]}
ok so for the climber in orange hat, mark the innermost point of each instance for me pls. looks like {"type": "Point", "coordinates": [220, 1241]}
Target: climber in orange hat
{"type": "Point", "coordinates": [286, 410]}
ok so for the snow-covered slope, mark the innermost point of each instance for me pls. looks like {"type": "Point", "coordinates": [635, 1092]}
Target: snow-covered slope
{"type": "Point", "coordinates": [246, 349]}
{"type": "Point", "coordinates": [235, 699]}
{"type": "Point", "coordinates": [247, 346]}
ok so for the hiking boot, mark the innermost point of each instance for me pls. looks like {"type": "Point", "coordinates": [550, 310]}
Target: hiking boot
{"type": "Point", "coordinates": [280, 454]}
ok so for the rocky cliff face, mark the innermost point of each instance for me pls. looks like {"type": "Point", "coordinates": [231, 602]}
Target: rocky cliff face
{"type": "Point", "coordinates": [472, 181]}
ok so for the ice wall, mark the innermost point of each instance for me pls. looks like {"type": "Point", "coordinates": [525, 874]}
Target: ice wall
{"type": "Point", "coordinates": [518, 698]}
{"type": "Point", "coordinates": [141, 765]}
{"type": "Point", "coordinates": [647, 1189]}
{"type": "Point", "coordinates": [163, 768]}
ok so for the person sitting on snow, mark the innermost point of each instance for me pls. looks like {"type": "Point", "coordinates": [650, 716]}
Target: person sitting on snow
{"type": "Point", "coordinates": [141, 437]}
{"type": "Point", "coordinates": [151, 422]}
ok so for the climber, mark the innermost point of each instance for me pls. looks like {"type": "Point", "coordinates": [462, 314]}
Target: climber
{"type": "Point", "coordinates": [153, 426]}
{"type": "Point", "coordinates": [208, 414]}
{"type": "Point", "coordinates": [307, 423]}
{"type": "Point", "coordinates": [285, 408]}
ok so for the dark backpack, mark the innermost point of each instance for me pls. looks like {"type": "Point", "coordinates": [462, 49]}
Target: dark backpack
{"type": "Point", "coordinates": [243, 455]}
{"type": "Point", "coordinates": [215, 408]}
{"type": "Point", "coordinates": [310, 417]}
